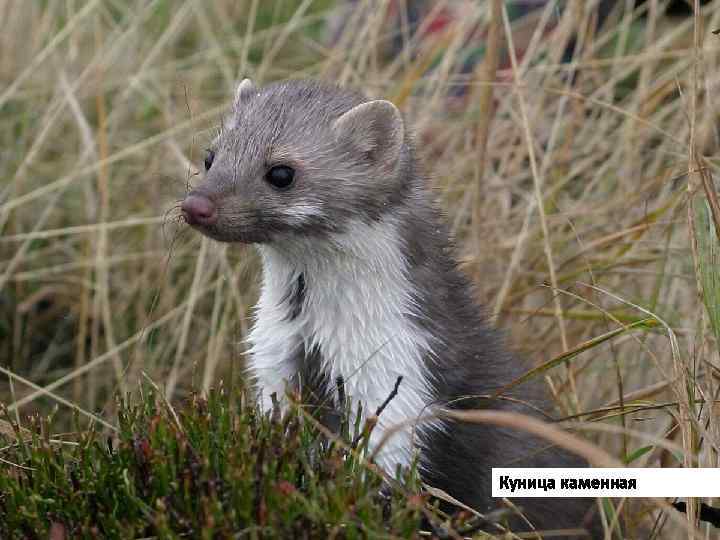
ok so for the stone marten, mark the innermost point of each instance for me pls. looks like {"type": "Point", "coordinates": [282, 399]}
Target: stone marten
{"type": "Point", "coordinates": [360, 282]}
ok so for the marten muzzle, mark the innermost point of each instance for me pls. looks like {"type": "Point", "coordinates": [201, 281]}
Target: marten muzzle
{"type": "Point", "coordinates": [199, 210]}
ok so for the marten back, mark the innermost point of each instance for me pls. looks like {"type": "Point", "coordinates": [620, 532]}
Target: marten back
{"type": "Point", "coordinates": [360, 282]}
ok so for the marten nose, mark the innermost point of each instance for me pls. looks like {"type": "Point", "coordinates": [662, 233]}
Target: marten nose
{"type": "Point", "coordinates": [199, 210]}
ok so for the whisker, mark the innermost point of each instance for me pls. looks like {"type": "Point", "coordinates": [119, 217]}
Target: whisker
{"type": "Point", "coordinates": [167, 218]}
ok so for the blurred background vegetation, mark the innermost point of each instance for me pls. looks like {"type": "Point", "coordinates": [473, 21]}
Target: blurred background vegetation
{"type": "Point", "coordinates": [580, 191]}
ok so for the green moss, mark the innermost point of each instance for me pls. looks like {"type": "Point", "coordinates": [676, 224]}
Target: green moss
{"type": "Point", "coordinates": [217, 469]}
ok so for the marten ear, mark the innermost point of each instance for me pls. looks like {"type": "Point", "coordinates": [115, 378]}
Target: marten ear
{"type": "Point", "coordinates": [374, 129]}
{"type": "Point", "coordinates": [245, 90]}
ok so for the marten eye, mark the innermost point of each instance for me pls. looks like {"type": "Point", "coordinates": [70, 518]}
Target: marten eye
{"type": "Point", "coordinates": [209, 158]}
{"type": "Point", "coordinates": [280, 176]}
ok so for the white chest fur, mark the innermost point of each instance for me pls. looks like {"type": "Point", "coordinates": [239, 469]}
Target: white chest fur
{"type": "Point", "coordinates": [357, 311]}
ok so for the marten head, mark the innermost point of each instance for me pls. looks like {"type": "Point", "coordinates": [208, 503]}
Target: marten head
{"type": "Point", "coordinates": [299, 157]}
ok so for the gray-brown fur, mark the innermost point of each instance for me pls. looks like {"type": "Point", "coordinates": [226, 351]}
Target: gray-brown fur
{"type": "Point", "coordinates": [288, 123]}
{"type": "Point", "coordinates": [360, 177]}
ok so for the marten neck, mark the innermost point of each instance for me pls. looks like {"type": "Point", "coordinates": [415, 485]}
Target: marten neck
{"type": "Point", "coordinates": [348, 300]}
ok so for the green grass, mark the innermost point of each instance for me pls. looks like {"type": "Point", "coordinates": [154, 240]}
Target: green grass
{"type": "Point", "coordinates": [213, 468]}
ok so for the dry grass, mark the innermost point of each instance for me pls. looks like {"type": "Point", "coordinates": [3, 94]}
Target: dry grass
{"type": "Point", "coordinates": [583, 207]}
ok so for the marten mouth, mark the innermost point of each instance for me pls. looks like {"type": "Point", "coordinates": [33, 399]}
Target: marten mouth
{"type": "Point", "coordinates": [204, 215]}
{"type": "Point", "coordinates": [221, 232]}
{"type": "Point", "coordinates": [234, 236]}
